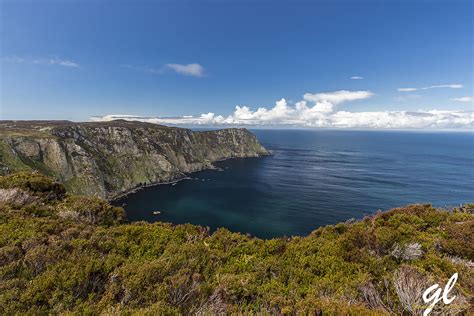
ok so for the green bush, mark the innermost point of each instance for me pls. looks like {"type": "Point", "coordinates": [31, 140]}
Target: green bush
{"type": "Point", "coordinates": [76, 255]}
{"type": "Point", "coordinates": [35, 183]}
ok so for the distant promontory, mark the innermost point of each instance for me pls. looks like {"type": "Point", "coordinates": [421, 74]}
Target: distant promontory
{"type": "Point", "coordinates": [106, 159]}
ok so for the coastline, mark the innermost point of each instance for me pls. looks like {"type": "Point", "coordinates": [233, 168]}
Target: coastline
{"type": "Point", "coordinates": [141, 187]}
{"type": "Point", "coordinates": [181, 177]}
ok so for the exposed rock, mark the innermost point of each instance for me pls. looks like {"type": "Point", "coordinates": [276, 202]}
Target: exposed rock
{"type": "Point", "coordinates": [16, 197]}
{"type": "Point", "coordinates": [69, 215]}
{"type": "Point", "coordinates": [408, 252]}
{"type": "Point", "coordinates": [107, 159]}
{"type": "Point", "coordinates": [465, 262]}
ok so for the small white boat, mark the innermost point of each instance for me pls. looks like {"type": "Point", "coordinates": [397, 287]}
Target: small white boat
{"type": "Point", "coordinates": [156, 212]}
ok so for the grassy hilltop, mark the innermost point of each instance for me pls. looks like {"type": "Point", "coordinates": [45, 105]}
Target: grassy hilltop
{"type": "Point", "coordinates": [61, 253]}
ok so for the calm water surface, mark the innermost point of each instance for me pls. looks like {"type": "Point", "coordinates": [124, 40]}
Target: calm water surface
{"type": "Point", "coordinates": [316, 178]}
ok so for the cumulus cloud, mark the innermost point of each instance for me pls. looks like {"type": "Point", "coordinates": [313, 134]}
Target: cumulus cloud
{"type": "Point", "coordinates": [451, 86]}
{"type": "Point", "coordinates": [463, 99]}
{"type": "Point", "coordinates": [42, 61]}
{"type": "Point", "coordinates": [318, 110]}
{"type": "Point", "coordinates": [194, 70]}
{"type": "Point", "coordinates": [357, 78]}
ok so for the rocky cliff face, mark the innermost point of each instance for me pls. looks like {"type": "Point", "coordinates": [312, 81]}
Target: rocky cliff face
{"type": "Point", "coordinates": [109, 158]}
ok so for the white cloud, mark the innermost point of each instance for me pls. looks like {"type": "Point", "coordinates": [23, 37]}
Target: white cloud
{"type": "Point", "coordinates": [61, 62]}
{"type": "Point", "coordinates": [43, 61]}
{"type": "Point", "coordinates": [407, 89]}
{"type": "Point", "coordinates": [195, 70]}
{"type": "Point", "coordinates": [451, 86]}
{"type": "Point", "coordinates": [318, 110]}
{"type": "Point", "coordinates": [357, 78]}
{"type": "Point", "coordinates": [463, 99]}
{"type": "Point", "coordinates": [432, 119]}
{"type": "Point", "coordinates": [337, 96]}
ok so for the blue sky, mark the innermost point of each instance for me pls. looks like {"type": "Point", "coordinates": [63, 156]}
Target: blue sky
{"type": "Point", "coordinates": [77, 59]}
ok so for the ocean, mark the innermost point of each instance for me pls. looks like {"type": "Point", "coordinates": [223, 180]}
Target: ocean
{"type": "Point", "coordinates": [315, 178]}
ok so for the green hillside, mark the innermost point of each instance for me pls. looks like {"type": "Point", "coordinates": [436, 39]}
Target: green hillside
{"type": "Point", "coordinates": [69, 254]}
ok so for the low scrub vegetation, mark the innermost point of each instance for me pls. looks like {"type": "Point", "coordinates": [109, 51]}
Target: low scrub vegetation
{"type": "Point", "coordinates": [72, 254]}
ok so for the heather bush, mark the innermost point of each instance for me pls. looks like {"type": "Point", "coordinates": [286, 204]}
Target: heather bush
{"type": "Point", "coordinates": [76, 255]}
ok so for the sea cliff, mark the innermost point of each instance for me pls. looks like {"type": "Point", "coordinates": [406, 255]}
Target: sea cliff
{"type": "Point", "coordinates": [106, 159]}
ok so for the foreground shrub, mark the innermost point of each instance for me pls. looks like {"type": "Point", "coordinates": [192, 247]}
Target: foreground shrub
{"type": "Point", "coordinates": [34, 183]}
{"type": "Point", "coordinates": [68, 254]}
{"type": "Point", "coordinates": [90, 210]}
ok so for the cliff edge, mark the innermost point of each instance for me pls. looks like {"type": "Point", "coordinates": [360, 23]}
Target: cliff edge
{"type": "Point", "coordinates": [106, 159]}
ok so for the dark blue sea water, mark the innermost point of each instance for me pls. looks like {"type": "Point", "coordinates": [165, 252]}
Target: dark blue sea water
{"type": "Point", "coordinates": [316, 178]}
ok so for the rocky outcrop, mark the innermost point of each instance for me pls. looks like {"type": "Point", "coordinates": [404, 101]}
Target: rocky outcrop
{"type": "Point", "coordinates": [110, 158]}
{"type": "Point", "coordinates": [16, 197]}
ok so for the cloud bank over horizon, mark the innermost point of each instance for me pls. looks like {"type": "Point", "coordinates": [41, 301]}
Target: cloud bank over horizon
{"type": "Point", "coordinates": [317, 110]}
